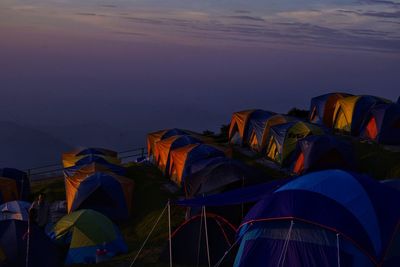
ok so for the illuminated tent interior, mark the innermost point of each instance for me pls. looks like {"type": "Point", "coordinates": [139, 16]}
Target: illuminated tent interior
{"type": "Point", "coordinates": [322, 108]}
{"type": "Point", "coordinates": [383, 124]}
{"type": "Point", "coordinates": [283, 139]}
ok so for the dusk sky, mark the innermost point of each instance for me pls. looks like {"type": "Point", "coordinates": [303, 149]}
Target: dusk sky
{"type": "Point", "coordinates": [120, 68]}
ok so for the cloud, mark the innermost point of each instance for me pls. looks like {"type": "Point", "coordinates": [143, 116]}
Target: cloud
{"type": "Point", "coordinates": [243, 17]}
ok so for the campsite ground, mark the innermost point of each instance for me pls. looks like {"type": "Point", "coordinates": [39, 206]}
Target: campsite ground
{"type": "Point", "coordinates": [152, 194]}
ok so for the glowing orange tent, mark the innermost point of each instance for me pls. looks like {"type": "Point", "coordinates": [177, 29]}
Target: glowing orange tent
{"type": "Point", "coordinates": [152, 138]}
{"type": "Point", "coordinates": [164, 147]}
{"type": "Point", "coordinates": [237, 127]}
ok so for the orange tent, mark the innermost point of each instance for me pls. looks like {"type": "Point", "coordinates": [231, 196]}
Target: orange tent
{"type": "Point", "coordinates": [152, 138]}
{"type": "Point", "coordinates": [162, 150]}
{"type": "Point", "coordinates": [238, 123]}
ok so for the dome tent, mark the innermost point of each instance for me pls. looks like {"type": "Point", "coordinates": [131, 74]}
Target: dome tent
{"type": "Point", "coordinates": [351, 111]}
{"type": "Point", "coordinates": [324, 218]}
{"type": "Point", "coordinates": [319, 152]}
{"type": "Point", "coordinates": [154, 137]}
{"type": "Point", "coordinates": [183, 159]}
{"type": "Point", "coordinates": [237, 126]}
{"type": "Point", "coordinates": [256, 127]}
{"type": "Point", "coordinates": [164, 147]}
{"type": "Point", "coordinates": [105, 193]}
{"type": "Point", "coordinates": [85, 231]}
{"type": "Point", "coordinates": [322, 108]}
{"type": "Point", "coordinates": [283, 139]}
{"type": "Point", "coordinates": [382, 124]}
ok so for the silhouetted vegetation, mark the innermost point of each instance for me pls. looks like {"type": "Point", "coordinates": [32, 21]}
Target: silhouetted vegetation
{"type": "Point", "coordinates": [299, 113]}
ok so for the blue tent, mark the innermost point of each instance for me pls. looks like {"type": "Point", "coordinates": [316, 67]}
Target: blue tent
{"type": "Point", "coordinates": [319, 152]}
{"type": "Point", "coordinates": [101, 192]}
{"type": "Point", "coordinates": [382, 124]}
{"type": "Point", "coordinates": [173, 132]}
{"type": "Point", "coordinates": [13, 240]}
{"type": "Point", "coordinates": [97, 151]}
{"type": "Point", "coordinates": [326, 218]}
{"type": "Point", "coordinates": [255, 130]}
{"type": "Point", "coordinates": [21, 179]}
{"type": "Point", "coordinates": [98, 162]}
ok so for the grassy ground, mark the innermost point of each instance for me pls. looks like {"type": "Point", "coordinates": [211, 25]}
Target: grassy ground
{"type": "Point", "coordinates": [149, 200]}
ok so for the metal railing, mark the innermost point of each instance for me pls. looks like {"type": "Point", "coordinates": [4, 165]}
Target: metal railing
{"type": "Point", "coordinates": [55, 170]}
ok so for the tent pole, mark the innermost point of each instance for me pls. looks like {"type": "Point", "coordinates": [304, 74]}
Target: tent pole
{"type": "Point", "coordinates": [338, 249]}
{"type": "Point", "coordinates": [206, 232]}
{"type": "Point", "coordinates": [169, 233]}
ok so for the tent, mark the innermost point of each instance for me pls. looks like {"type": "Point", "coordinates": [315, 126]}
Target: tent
{"type": "Point", "coordinates": [164, 147]}
{"type": "Point", "coordinates": [272, 121]}
{"type": "Point", "coordinates": [82, 156]}
{"type": "Point", "coordinates": [350, 112]}
{"type": "Point", "coordinates": [13, 241]}
{"type": "Point", "coordinates": [318, 152]}
{"type": "Point", "coordinates": [220, 174]}
{"type": "Point", "coordinates": [21, 179]}
{"type": "Point", "coordinates": [189, 245]}
{"type": "Point", "coordinates": [382, 124]}
{"type": "Point", "coordinates": [153, 137]}
{"type": "Point", "coordinates": [256, 128]}
{"type": "Point", "coordinates": [182, 159]}
{"type": "Point", "coordinates": [238, 125]}
{"type": "Point", "coordinates": [16, 210]}
{"type": "Point", "coordinates": [326, 218]}
{"type": "Point", "coordinates": [322, 108]}
{"type": "Point", "coordinates": [92, 167]}
{"type": "Point", "coordinates": [106, 193]}
{"type": "Point", "coordinates": [283, 139]}
{"type": "Point", "coordinates": [8, 190]}
{"type": "Point", "coordinates": [85, 231]}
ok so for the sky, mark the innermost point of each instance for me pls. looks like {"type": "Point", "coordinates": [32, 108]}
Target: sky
{"type": "Point", "coordinates": [107, 72]}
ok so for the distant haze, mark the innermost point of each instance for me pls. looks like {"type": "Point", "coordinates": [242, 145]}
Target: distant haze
{"type": "Point", "coordinates": [104, 73]}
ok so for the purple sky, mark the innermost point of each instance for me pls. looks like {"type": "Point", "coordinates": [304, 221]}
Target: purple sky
{"type": "Point", "coordinates": [70, 67]}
